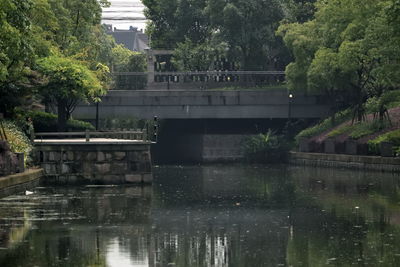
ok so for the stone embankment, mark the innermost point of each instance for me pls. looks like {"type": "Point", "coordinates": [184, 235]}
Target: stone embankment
{"type": "Point", "coordinates": [95, 162]}
{"type": "Point", "coordinates": [355, 162]}
{"type": "Point", "coordinates": [10, 162]}
{"type": "Point", "coordinates": [26, 180]}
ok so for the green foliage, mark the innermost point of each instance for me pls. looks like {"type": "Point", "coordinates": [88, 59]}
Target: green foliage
{"type": "Point", "coordinates": [47, 122]}
{"type": "Point", "coordinates": [197, 27]}
{"type": "Point", "coordinates": [323, 126]}
{"type": "Point", "coordinates": [77, 125]}
{"type": "Point", "coordinates": [15, 50]}
{"type": "Point", "coordinates": [69, 81]}
{"type": "Point", "coordinates": [392, 137]}
{"type": "Point", "coordinates": [300, 10]}
{"type": "Point", "coordinates": [268, 147]}
{"type": "Point", "coordinates": [189, 56]}
{"type": "Point", "coordinates": [340, 130]}
{"type": "Point", "coordinates": [350, 51]}
{"type": "Point", "coordinates": [124, 60]}
{"type": "Point", "coordinates": [248, 27]}
{"type": "Point", "coordinates": [360, 129]}
{"type": "Point", "coordinates": [171, 21]}
{"type": "Point", "coordinates": [18, 141]}
{"type": "Point", "coordinates": [16, 53]}
{"type": "Point", "coordinates": [367, 128]}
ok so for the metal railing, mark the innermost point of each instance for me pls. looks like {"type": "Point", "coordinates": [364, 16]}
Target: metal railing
{"type": "Point", "coordinates": [196, 79]}
{"type": "Point", "coordinates": [138, 135]}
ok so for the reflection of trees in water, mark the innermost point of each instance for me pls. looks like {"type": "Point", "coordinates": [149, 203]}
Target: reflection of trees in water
{"type": "Point", "coordinates": [219, 216]}
{"type": "Point", "coordinates": [220, 237]}
{"type": "Point", "coordinates": [344, 218]}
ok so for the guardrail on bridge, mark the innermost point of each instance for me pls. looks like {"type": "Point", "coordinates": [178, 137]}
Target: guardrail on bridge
{"type": "Point", "coordinates": [196, 80]}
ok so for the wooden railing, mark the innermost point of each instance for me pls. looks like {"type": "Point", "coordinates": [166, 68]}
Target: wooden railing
{"type": "Point", "coordinates": [125, 134]}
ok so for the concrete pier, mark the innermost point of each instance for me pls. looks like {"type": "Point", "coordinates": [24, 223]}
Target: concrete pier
{"type": "Point", "coordinates": [99, 161]}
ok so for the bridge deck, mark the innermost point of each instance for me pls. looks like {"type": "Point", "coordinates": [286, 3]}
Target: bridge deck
{"type": "Point", "coordinates": [205, 104]}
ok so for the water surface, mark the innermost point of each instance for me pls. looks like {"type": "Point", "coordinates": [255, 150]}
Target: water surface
{"type": "Point", "coordinates": [223, 215]}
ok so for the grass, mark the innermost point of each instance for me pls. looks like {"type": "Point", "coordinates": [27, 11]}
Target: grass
{"type": "Point", "coordinates": [325, 125]}
{"type": "Point", "coordinates": [358, 130]}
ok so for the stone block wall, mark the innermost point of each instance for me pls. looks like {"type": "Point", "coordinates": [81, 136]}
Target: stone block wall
{"type": "Point", "coordinates": [355, 162]}
{"type": "Point", "coordinates": [95, 164]}
{"type": "Point", "coordinates": [10, 162]}
{"type": "Point", "coordinates": [223, 147]}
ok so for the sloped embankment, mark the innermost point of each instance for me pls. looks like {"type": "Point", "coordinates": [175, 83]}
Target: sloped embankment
{"type": "Point", "coordinates": [343, 136]}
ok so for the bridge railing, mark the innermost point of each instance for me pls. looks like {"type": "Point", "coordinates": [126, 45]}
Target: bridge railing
{"type": "Point", "coordinates": [196, 80]}
{"type": "Point", "coordinates": [138, 135]}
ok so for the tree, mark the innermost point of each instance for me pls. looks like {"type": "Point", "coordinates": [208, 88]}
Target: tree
{"type": "Point", "coordinates": [349, 50]}
{"type": "Point", "coordinates": [67, 82]}
{"type": "Point", "coordinates": [300, 10]}
{"type": "Point", "coordinates": [172, 21]}
{"type": "Point", "coordinates": [191, 57]}
{"type": "Point", "coordinates": [248, 27]}
{"type": "Point", "coordinates": [15, 52]}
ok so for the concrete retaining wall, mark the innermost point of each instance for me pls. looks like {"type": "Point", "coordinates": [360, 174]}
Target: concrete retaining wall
{"type": "Point", "coordinates": [95, 163]}
{"type": "Point", "coordinates": [10, 162]}
{"type": "Point", "coordinates": [370, 163]}
{"type": "Point", "coordinates": [19, 182]}
{"type": "Point", "coordinates": [222, 147]}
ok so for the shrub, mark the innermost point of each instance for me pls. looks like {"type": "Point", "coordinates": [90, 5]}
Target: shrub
{"type": "Point", "coordinates": [47, 122]}
{"type": "Point", "coordinates": [267, 147]}
{"type": "Point", "coordinates": [19, 142]}
{"type": "Point", "coordinates": [77, 125]}
{"type": "Point", "coordinates": [393, 137]}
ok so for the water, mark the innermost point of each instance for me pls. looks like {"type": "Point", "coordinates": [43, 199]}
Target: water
{"type": "Point", "coordinates": [223, 215]}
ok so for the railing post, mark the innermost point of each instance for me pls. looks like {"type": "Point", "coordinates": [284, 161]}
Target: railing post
{"type": "Point", "coordinates": [87, 135]}
{"type": "Point", "coordinates": [155, 134]}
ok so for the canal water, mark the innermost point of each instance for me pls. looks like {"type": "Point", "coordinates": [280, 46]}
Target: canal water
{"type": "Point", "coordinates": [220, 215]}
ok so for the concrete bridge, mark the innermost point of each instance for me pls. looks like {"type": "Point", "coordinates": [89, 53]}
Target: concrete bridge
{"type": "Point", "coordinates": [204, 104]}
{"type": "Point", "coordinates": [206, 117]}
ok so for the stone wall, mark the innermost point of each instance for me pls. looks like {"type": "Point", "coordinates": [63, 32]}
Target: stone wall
{"type": "Point", "coordinates": [227, 147]}
{"type": "Point", "coordinates": [95, 163]}
{"type": "Point", "coordinates": [370, 163]}
{"type": "Point", "coordinates": [10, 162]}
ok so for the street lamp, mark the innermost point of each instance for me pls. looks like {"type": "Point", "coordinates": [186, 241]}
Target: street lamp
{"type": "Point", "coordinates": [291, 96]}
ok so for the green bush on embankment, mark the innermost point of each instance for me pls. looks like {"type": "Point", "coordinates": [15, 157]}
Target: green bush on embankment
{"type": "Point", "coordinates": [47, 122]}
{"type": "Point", "coordinates": [266, 148]}
{"type": "Point", "coordinates": [18, 141]}
{"type": "Point", "coordinates": [392, 137]}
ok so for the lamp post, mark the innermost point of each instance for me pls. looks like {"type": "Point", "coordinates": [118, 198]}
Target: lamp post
{"type": "Point", "coordinates": [290, 106]}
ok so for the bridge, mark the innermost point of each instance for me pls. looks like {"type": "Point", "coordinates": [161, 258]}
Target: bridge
{"type": "Point", "coordinates": [203, 95]}
{"type": "Point", "coordinates": [206, 115]}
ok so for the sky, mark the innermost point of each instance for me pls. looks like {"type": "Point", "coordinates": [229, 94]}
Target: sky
{"type": "Point", "coordinates": [125, 13]}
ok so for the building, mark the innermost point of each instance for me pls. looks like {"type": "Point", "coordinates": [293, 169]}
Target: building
{"type": "Point", "coordinates": [133, 39]}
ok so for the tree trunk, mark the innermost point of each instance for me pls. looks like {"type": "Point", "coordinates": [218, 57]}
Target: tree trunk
{"type": "Point", "coordinates": [62, 116]}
